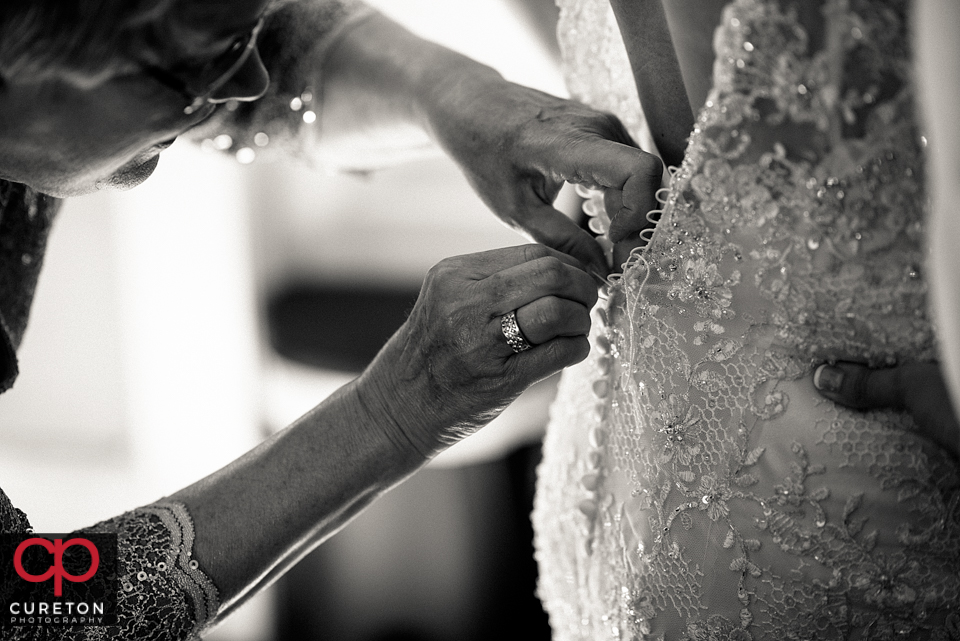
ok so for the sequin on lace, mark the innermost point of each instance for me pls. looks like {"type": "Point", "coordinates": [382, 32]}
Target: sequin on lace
{"type": "Point", "coordinates": [164, 595]}
{"type": "Point", "coordinates": [694, 485]}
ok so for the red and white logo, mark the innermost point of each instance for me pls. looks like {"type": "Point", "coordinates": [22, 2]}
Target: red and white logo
{"type": "Point", "coordinates": [56, 571]}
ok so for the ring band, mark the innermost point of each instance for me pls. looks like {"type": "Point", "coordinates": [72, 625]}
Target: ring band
{"type": "Point", "coordinates": [511, 332]}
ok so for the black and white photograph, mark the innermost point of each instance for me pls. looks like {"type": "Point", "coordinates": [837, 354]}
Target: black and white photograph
{"type": "Point", "coordinates": [420, 320]}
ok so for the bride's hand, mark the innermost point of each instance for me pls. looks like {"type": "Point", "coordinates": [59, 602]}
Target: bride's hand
{"type": "Point", "coordinates": [517, 146]}
{"type": "Point", "coordinates": [449, 370]}
{"type": "Point", "coordinates": [917, 388]}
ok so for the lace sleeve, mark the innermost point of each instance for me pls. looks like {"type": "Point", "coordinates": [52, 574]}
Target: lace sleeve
{"type": "Point", "coordinates": [163, 596]}
{"type": "Point", "coordinates": [12, 519]}
{"type": "Point", "coordinates": [293, 45]}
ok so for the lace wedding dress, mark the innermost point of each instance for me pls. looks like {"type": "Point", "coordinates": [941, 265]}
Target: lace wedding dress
{"type": "Point", "coordinates": [694, 485]}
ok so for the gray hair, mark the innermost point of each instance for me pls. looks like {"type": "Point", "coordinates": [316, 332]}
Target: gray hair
{"type": "Point", "coordinates": [81, 41]}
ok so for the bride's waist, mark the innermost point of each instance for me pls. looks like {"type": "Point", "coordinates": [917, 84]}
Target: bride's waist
{"type": "Point", "coordinates": [770, 445]}
{"type": "Point", "coordinates": [732, 395]}
{"type": "Point", "coordinates": [823, 326]}
{"type": "Point", "coordinates": [770, 397]}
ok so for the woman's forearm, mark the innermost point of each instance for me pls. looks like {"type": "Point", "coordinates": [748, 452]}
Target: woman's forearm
{"type": "Point", "coordinates": [379, 82]}
{"type": "Point", "coordinates": [447, 372]}
{"type": "Point", "coordinates": [263, 512]}
{"type": "Point", "coordinates": [347, 86]}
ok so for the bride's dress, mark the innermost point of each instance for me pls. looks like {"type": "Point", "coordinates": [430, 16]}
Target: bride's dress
{"type": "Point", "coordinates": [694, 484]}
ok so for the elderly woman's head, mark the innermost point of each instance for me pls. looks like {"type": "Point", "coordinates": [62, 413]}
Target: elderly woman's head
{"type": "Point", "coordinates": [92, 90]}
{"type": "Point", "coordinates": [80, 40]}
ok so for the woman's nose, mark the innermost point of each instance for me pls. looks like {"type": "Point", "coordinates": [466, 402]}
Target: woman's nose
{"type": "Point", "coordinates": [248, 83]}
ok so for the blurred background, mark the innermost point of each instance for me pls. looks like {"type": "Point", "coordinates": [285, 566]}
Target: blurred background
{"type": "Point", "coordinates": [178, 324]}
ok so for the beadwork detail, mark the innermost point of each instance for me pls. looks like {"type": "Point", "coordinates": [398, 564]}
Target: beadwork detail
{"type": "Point", "coordinates": [512, 334]}
{"type": "Point", "coordinates": [726, 499]}
{"type": "Point", "coordinates": [163, 592]}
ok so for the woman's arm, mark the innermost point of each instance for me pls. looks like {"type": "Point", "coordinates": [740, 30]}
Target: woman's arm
{"type": "Point", "coordinates": [377, 93]}
{"type": "Point", "coordinates": [191, 558]}
{"type": "Point", "coordinates": [262, 513]}
{"type": "Point", "coordinates": [515, 145]}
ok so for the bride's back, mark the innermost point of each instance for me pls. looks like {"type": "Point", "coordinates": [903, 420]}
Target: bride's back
{"type": "Point", "coordinates": [692, 25]}
{"type": "Point", "coordinates": [694, 483]}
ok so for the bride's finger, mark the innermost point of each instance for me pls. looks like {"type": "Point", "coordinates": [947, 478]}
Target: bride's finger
{"type": "Point", "coordinates": [549, 317]}
{"type": "Point", "coordinates": [917, 388]}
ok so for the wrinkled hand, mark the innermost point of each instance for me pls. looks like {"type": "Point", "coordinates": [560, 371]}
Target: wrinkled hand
{"type": "Point", "coordinates": [449, 370]}
{"type": "Point", "coordinates": [517, 146]}
{"type": "Point", "coordinates": [621, 235]}
{"type": "Point", "coordinates": [917, 388]}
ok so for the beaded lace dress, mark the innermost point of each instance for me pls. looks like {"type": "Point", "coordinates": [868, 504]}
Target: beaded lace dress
{"type": "Point", "coordinates": [694, 485]}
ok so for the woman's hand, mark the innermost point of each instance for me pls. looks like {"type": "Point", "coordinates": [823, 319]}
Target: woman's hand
{"type": "Point", "coordinates": [384, 86]}
{"type": "Point", "coordinates": [517, 146]}
{"type": "Point", "coordinates": [445, 373]}
{"type": "Point", "coordinates": [916, 388]}
{"type": "Point", "coordinates": [449, 370]}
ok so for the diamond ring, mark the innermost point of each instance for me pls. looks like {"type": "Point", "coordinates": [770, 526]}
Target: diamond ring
{"type": "Point", "coordinates": [511, 331]}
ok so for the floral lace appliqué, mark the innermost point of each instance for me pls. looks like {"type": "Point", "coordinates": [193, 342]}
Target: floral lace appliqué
{"type": "Point", "coordinates": [164, 595]}
{"type": "Point", "coordinates": [727, 500]}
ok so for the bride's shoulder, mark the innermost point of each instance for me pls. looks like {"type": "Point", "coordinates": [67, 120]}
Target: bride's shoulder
{"type": "Point", "coordinates": [696, 21]}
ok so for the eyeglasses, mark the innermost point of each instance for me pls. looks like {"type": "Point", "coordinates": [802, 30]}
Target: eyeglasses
{"type": "Point", "coordinates": [207, 77]}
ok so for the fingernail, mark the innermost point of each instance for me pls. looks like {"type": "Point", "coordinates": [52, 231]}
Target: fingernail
{"type": "Point", "coordinates": [828, 378]}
